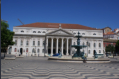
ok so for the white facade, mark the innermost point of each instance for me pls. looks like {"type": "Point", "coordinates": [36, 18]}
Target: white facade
{"type": "Point", "coordinates": [117, 30]}
{"type": "Point", "coordinates": [30, 39]}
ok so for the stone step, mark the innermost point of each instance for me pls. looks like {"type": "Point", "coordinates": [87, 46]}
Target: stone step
{"type": "Point", "coordinates": [20, 56]}
{"type": "Point", "coordinates": [9, 58]}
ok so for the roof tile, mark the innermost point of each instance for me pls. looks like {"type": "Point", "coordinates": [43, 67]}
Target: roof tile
{"type": "Point", "coordinates": [56, 25]}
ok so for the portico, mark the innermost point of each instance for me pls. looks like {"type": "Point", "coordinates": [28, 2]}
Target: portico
{"type": "Point", "coordinates": [59, 41]}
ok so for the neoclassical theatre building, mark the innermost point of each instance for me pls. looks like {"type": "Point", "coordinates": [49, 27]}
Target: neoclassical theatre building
{"type": "Point", "coordinates": [37, 39]}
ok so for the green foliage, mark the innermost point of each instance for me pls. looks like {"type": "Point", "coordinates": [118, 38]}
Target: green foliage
{"type": "Point", "coordinates": [6, 36]}
{"type": "Point", "coordinates": [110, 48]}
{"type": "Point", "coordinates": [4, 25]}
{"type": "Point", "coordinates": [117, 46]}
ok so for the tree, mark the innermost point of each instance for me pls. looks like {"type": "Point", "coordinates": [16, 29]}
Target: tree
{"type": "Point", "coordinates": [110, 48]}
{"type": "Point", "coordinates": [117, 47]}
{"type": "Point", "coordinates": [6, 36]}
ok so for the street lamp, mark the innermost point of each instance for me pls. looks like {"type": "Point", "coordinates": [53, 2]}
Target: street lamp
{"type": "Point", "coordinates": [87, 48]}
{"type": "Point", "coordinates": [35, 51]}
{"type": "Point", "coordinates": [44, 43]}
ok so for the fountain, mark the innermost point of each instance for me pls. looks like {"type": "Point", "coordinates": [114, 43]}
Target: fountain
{"type": "Point", "coordinates": [78, 47]}
{"type": "Point", "coordinates": [80, 55]}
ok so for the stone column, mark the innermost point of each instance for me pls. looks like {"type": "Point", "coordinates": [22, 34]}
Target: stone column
{"type": "Point", "coordinates": [62, 47]}
{"type": "Point", "coordinates": [57, 46]}
{"type": "Point", "coordinates": [71, 47]}
{"type": "Point", "coordinates": [47, 46]}
{"type": "Point", "coordinates": [51, 46]}
{"type": "Point", "coordinates": [67, 47]}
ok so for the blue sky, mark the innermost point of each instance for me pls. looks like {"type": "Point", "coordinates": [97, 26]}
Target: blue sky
{"type": "Point", "coordinates": [92, 13]}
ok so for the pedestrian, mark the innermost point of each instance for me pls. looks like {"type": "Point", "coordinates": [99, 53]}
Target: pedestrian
{"type": "Point", "coordinates": [85, 58]}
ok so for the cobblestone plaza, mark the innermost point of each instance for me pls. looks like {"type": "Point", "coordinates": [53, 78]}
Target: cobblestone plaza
{"type": "Point", "coordinates": [41, 68]}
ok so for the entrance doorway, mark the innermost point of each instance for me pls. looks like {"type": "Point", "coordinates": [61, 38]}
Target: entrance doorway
{"type": "Point", "coordinates": [54, 51]}
{"type": "Point", "coordinates": [21, 50]}
{"type": "Point", "coordinates": [64, 51]}
{"type": "Point", "coordinates": [94, 52]}
{"type": "Point", "coordinates": [10, 49]}
{"type": "Point", "coordinates": [49, 51]}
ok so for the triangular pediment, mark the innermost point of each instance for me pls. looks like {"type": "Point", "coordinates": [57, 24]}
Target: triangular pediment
{"type": "Point", "coordinates": [60, 32]}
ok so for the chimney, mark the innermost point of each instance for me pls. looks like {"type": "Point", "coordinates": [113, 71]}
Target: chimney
{"type": "Point", "coordinates": [59, 26]}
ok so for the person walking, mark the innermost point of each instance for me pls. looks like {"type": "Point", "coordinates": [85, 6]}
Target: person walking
{"type": "Point", "coordinates": [85, 58]}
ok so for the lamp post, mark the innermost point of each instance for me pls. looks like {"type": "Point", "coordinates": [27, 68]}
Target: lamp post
{"type": "Point", "coordinates": [35, 51]}
{"type": "Point", "coordinates": [87, 48]}
{"type": "Point", "coordinates": [44, 43]}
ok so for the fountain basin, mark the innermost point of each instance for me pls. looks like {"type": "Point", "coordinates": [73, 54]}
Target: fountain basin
{"type": "Point", "coordinates": [79, 59]}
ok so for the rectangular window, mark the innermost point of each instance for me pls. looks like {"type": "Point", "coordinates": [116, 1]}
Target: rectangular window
{"type": "Point", "coordinates": [43, 43]}
{"type": "Point", "coordinates": [38, 43]}
{"type": "Point", "coordinates": [21, 42]}
{"type": "Point", "coordinates": [88, 44]}
{"type": "Point", "coordinates": [43, 50]}
{"type": "Point", "coordinates": [94, 44]}
{"type": "Point", "coordinates": [15, 42]}
{"type": "Point", "coordinates": [99, 51]}
{"type": "Point", "coordinates": [89, 51]}
{"type": "Point", "coordinates": [99, 44]}
{"type": "Point", "coordinates": [27, 43]}
{"type": "Point", "coordinates": [38, 50]}
{"type": "Point", "coordinates": [33, 43]}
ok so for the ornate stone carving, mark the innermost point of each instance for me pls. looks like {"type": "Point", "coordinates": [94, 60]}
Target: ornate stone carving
{"type": "Point", "coordinates": [60, 33]}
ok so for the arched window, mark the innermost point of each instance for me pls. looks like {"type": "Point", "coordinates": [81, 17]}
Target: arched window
{"type": "Point", "coordinates": [94, 44]}
{"type": "Point", "coordinates": [26, 49]}
{"type": "Point", "coordinates": [27, 43]}
{"type": "Point", "coordinates": [39, 32]}
{"type": "Point", "coordinates": [94, 33]}
{"type": "Point", "coordinates": [74, 33]}
{"type": "Point", "coordinates": [43, 31]}
{"type": "Point", "coordinates": [83, 33]}
{"type": "Point", "coordinates": [89, 51]}
{"type": "Point", "coordinates": [38, 50]}
{"type": "Point", "coordinates": [15, 49]}
{"type": "Point", "coordinates": [34, 31]}
{"type": "Point", "coordinates": [99, 44]}
{"type": "Point", "coordinates": [99, 51]}
{"type": "Point", "coordinates": [22, 31]}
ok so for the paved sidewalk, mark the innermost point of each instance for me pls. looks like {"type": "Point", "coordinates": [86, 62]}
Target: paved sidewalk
{"type": "Point", "coordinates": [41, 68]}
{"type": "Point", "coordinates": [7, 56]}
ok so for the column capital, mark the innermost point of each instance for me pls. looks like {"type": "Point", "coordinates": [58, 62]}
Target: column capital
{"type": "Point", "coordinates": [67, 38]}
{"type": "Point", "coordinates": [52, 38]}
{"type": "Point", "coordinates": [57, 38]}
{"type": "Point", "coordinates": [62, 38]}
